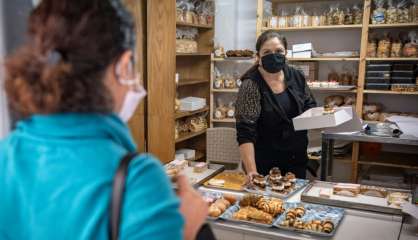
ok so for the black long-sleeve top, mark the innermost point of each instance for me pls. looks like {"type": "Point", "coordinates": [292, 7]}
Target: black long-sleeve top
{"type": "Point", "coordinates": [264, 119]}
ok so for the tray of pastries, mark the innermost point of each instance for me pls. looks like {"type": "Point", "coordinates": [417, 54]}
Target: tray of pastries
{"type": "Point", "coordinates": [218, 203]}
{"type": "Point", "coordinates": [275, 184]}
{"type": "Point", "coordinates": [255, 209]}
{"type": "Point", "coordinates": [227, 180]}
{"type": "Point", "coordinates": [357, 196]}
{"type": "Point", "coordinates": [310, 218]}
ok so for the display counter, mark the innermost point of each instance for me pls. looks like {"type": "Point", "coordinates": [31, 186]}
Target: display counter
{"type": "Point", "coordinates": [355, 225]}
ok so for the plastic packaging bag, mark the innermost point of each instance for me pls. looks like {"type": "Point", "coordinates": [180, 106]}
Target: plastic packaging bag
{"type": "Point", "coordinates": [384, 47]}
{"type": "Point", "coordinates": [396, 49]}
{"type": "Point", "coordinates": [410, 49]}
{"type": "Point", "coordinates": [306, 19]}
{"type": "Point", "coordinates": [282, 19]}
{"type": "Point", "coordinates": [372, 47]}
{"type": "Point", "coordinates": [379, 13]}
{"type": "Point", "coordinates": [357, 14]}
{"type": "Point", "coordinates": [391, 13]}
{"type": "Point", "coordinates": [181, 6]}
{"type": "Point", "coordinates": [340, 16]}
{"type": "Point", "coordinates": [316, 19]}
{"type": "Point", "coordinates": [403, 12]}
{"type": "Point", "coordinates": [414, 11]}
{"type": "Point", "coordinates": [349, 17]}
{"type": "Point", "coordinates": [298, 17]}
{"type": "Point", "coordinates": [330, 15]}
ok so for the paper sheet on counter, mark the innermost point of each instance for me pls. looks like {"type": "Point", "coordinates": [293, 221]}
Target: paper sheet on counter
{"type": "Point", "coordinates": [408, 125]}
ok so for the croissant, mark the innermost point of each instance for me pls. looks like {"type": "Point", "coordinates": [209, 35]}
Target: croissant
{"type": "Point", "coordinates": [300, 211]}
{"type": "Point", "coordinates": [291, 214]}
{"type": "Point", "coordinates": [328, 226]}
{"type": "Point", "coordinates": [214, 211]}
{"type": "Point", "coordinates": [261, 216]}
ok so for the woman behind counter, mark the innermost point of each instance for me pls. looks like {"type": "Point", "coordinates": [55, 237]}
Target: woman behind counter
{"type": "Point", "coordinates": [272, 93]}
{"type": "Point", "coordinates": [75, 84]}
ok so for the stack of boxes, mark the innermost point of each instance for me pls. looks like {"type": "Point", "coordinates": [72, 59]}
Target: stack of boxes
{"type": "Point", "coordinates": [385, 76]}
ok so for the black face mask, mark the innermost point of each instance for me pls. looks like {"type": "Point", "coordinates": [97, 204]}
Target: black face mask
{"type": "Point", "coordinates": [273, 62]}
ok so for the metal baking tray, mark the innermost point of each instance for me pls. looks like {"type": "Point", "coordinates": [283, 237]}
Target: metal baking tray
{"type": "Point", "coordinates": [227, 215]}
{"type": "Point", "coordinates": [313, 212]}
{"type": "Point", "coordinates": [361, 202]}
{"type": "Point", "coordinates": [299, 184]}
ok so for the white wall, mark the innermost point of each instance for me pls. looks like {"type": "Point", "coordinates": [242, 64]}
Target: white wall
{"type": "Point", "coordinates": [4, 115]}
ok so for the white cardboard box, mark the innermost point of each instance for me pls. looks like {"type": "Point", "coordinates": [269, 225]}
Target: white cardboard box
{"type": "Point", "coordinates": [344, 118]}
{"type": "Point", "coordinates": [304, 54]}
{"type": "Point", "coordinates": [302, 47]}
{"type": "Point", "coordinates": [188, 153]}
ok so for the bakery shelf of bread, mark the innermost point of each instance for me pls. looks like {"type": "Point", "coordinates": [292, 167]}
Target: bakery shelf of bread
{"type": "Point", "coordinates": [325, 59]}
{"type": "Point", "coordinates": [394, 25]}
{"type": "Point", "coordinates": [186, 136]}
{"type": "Point", "coordinates": [181, 114]}
{"type": "Point", "coordinates": [184, 24]}
{"type": "Point", "coordinates": [326, 27]}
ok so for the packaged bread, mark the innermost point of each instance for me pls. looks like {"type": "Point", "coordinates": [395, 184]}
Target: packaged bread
{"type": "Point", "coordinates": [357, 14]}
{"type": "Point", "coordinates": [379, 13]}
{"type": "Point", "coordinates": [384, 47]}
{"type": "Point", "coordinates": [371, 48]}
{"type": "Point", "coordinates": [410, 49]}
{"type": "Point", "coordinates": [391, 13]}
{"type": "Point", "coordinates": [349, 17]}
{"type": "Point", "coordinates": [396, 48]}
{"type": "Point", "coordinates": [403, 12]}
{"type": "Point", "coordinates": [346, 189]}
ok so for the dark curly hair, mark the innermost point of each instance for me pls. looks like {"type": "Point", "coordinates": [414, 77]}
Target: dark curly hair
{"type": "Point", "coordinates": [62, 67]}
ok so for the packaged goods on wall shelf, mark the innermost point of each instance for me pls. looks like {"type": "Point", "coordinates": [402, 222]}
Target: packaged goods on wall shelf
{"type": "Point", "coordinates": [224, 111]}
{"type": "Point", "coordinates": [404, 45]}
{"type": "Point", "coordinates": [300, 18]}
{"type": "Point", "coordinates": [226, 81]}
{"type": "Point", "coordinates": [400, 77]}
{"type": "Point", "coordinates": [186, 40]}
{"type": "Point", "coordinates": [194, 124]}
{"type": "Point", "coordinates": [392, 12]}
{"type": "Point", "coordinates": [195, 12]}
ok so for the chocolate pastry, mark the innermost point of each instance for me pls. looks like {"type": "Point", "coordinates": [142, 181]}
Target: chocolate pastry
{"type": "Point", "coordinates": [277, 187]}
{"type": "Point", "coordinates": [291, 176]}
{"type": "Point", "coordinates": [328, 226]}
{"type": "Point", "coordinates": [250, 200]}
{"type": "Point", "coordinates": [300, 211]}
{"type": "Point", "coordinates": [275, 175]}
{"type": "Point", "coordinates": [259, 181]}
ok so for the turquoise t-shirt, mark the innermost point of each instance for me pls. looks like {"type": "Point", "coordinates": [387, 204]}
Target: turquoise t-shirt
{"type": "Point", "coordinates": [56, 176]}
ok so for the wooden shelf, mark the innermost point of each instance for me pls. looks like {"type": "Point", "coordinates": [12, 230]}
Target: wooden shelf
{"type": "Point", "coordinates": [237, 59]}
{"type": "Point", "coordinates": [227, 120]}
{"type": "Point", "coordinates": [192, 54]}
{"type": "Point", "coordinates": [325, 59]}
{"type": "Point", "coordinates": [390, 159]}
{"type": "Point", "coordinates": [333, 90]}
{"type": "Point", "coordinates": [183, 24]}
{"type": "Point", "coordinates": [395, 25]}
{"type": "Point", "coordinates": [184, 137]}
{"type": "Point", "coordinates": [180, 114]}
{"type": "Point", "coordinates": [199, 155]}
{"type": "Point", "coordinates": [389, 92]}
{"type": "Point", "coordinates": [225, 90]}
{"type": "Point", "coordinates": [309, 28]}
{"type": "Point", "coordinates": [192, 82]}
{"type": "Point", "coordinates": [392, 59]}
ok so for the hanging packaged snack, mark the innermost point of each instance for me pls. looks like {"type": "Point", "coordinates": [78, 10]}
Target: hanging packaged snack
{"type": "Point", "coordinates": [219, 80]}
{"type": "Point", "coordinates": [316, 19]}
{"type": "Point", "coordinates": [403, 12]}
{"type": "Point", "coordinates": [357, 14]}
{"type": "Point", "coordinates": [349, 17]}
{"type": "Point", "coordinates": [384, 47]}
{"type": "Point", "coordinates": [221, 110]}
{"type": "Point", "coordinates": [414, 11]}
{"type": "Point", "coordinates": [396, 49]}
{"type": "Point", "coordinates": [391, 13]}
{"type": "Point", "coordinates": [372, 47]}
{"type": "Point", "coordinates": [379, 13]}
{"type": "Point", "coordinates": [229, 82]}
{"type": "Point", "coordinates": [298, 17]}
{"type": "Point", "coordinates": [237, 79]}
{"type": "Point", "coordinates": [340, 16]}
{"type": "Point", "coordinates": [410, 48]}
{"type": "Point", "coordinates": [282, 19]}
{"type": "Point", "coordinates": [231, 110]}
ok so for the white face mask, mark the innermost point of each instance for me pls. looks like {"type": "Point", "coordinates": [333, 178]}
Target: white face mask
{"type": "Point", "coordinates": [131, 102]}
{"type": "Point", "coordinates": [134, 96]}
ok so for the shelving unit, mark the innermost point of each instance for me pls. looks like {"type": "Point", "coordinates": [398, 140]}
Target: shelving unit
{"type": "Point", "coordinates": [180, 114]}
{"type": "Point", "coordinates": [362, 60]}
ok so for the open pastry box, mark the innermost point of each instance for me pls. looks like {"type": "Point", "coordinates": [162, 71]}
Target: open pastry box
{"type": "Point", "coordinates": [355, 196]}
{"type": "Point", "coordinates": [315, 118]}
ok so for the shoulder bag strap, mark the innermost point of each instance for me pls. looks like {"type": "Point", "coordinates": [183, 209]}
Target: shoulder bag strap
{"type": "Point", "coordinates": [118, 190]}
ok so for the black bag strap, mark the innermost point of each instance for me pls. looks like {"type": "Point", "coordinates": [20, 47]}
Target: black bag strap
{"type": "Point", "coordinates": [118, 190]}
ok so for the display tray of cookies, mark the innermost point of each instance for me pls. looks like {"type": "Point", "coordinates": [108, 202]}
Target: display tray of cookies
{"type": "Point", "coordinates": [256, 210]}
{"type": "Point", "coordinates": [218, 203]}
{"type": "Point", "coordinates": [227, 180]}
{"type": "Point", "coordinates": [356, 196]}
{"type": "Point", "coordinates": [310, 219]}
{"type": "Point", "coordinates": [276, 185]}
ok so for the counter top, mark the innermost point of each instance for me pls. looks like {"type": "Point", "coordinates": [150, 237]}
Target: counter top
{"type": "Point", "coordinates": [355, 225]}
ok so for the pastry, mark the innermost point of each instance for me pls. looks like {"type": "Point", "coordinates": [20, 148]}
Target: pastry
{"type": "Point", "coordinates": [214, 211]}
{"type": "Point", "coordinates": [346, 189]}
{"type": "Point", "coordinates": [277, 187]}
{"type": "Point", "coordinates": [291, 214]}
{"type": "Point", "coordinates": [335, 100]}
{"type": "Point", "coordinates": [300, 211]}
{"type": "Point", "coordinates": [260, 216]}
{"type": "Point", "coordinates": [298, 224]}
{"type": "Point", "coordinates": [249, 200]}
{"type": "Point", "coordinates": [220, 204]}
{"type": "Point", "coordinates": [373, 191]}
{"type": "Point", "coordinates": [200, 167]}
{"type": "Point", "coordinates": [328, 226]}
{"type": "Point", "coordinates": [230, 198]}
{"type": "Point", "coordinates": [269, 206]}
{"type": "Point", "coordinates": [328, 109]}
{"type": "Point", "coordinates": [259, 181]}
{"type": "Point", "coordinates": [287, 184]}
{"type": "Point", "coordinates": [275, 175]}
{"type": "Point", "coordinates": [216, 182]}
{"type": "Point", "coordinates": [325, 192]}
{"type": "Point", "coordinates": [291, 177]}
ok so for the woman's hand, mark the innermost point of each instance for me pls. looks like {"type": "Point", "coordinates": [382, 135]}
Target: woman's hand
{"type": "Point", "coordinates": [250, 176]}
{"type": "Point", "coordinates": [193, 208]}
